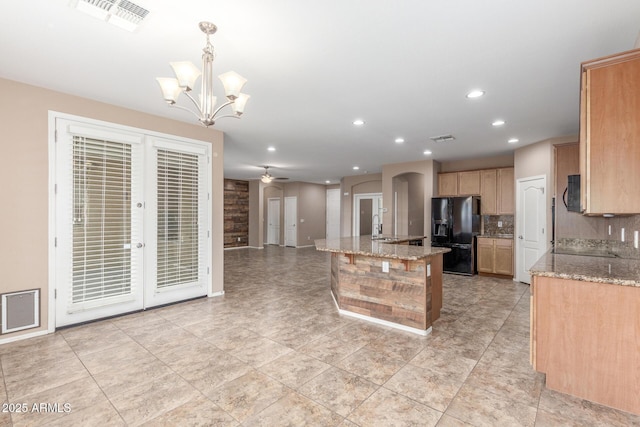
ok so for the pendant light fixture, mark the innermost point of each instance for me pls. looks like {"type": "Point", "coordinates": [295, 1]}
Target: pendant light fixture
{"type": "Point", "coordinates": [187, 74]}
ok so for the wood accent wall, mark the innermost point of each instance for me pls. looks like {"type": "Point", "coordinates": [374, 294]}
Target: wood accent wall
{"type": "Point", "coordinates": [405, 295]}
{"type": "Point", "coordinates": [236, 213]}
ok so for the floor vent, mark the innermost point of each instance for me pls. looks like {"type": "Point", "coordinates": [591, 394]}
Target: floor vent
{"type": "Point", "coordinates": [20, 310]}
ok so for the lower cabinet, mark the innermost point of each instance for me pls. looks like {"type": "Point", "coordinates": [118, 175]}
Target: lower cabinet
{"type": "Point", "coordinates": [495, 256]}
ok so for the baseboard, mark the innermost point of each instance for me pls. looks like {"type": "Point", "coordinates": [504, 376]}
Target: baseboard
{"type": "Point", "coordinates": [23, 337]}
{"type": "Point", "coordinates": [236, 247]}
{"type": "Point", "coordinates": [306, 246]}
{"type": "Point", "coordinates": [216, 294]}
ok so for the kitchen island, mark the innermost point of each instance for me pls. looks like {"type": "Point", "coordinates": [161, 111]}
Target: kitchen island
{"type": "Point", "coordinates": [386, 281]}
{"type": "Point", "coordinates": [585, 326]}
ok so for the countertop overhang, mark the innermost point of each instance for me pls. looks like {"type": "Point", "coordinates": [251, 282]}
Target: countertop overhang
{"type": "Point", "coordinates": [598, 269]}
{"type": "Point", "coordinates": [364, 245]}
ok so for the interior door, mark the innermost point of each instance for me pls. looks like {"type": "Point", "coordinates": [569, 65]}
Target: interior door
{"type": "Point", "coordinates": [99, 222]}
{"type": "Point", "coordinates": [531, 223]}
{"type": "Point", "coordinates": [290, 220]}
{"type": "Point", "coordinates": [333, 213]}
{"type": "Point", "coordinates": [273, 221]}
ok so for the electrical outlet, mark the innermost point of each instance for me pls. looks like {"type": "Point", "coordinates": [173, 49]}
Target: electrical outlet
{"type": "Point", "coordinates": [622, 234]}
{"type": "Point", "coordinates": [635, 239]}
{"type": "Point", "coordinates": [609, 229]}
{"type": "Point", "coordinates": [385, 266]}
{"type": "Point", "coordinates": [499, 224]}
{"type": "Point", "coordinates": [239, 239]}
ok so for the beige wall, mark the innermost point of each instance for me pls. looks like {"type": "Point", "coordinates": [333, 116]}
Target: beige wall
{"type": "Point", "coordinates": [491, 162]}
{"type": "Point", "coordinates": [428, 170]}
{"type": "Point", "coordinates": [358, 184]}
{"type": "Point", "coordinates": [24, 173]}
{"type": "Point", "coordinates": [311, 207]}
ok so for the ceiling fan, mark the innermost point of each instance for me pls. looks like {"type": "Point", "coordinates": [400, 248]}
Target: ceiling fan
{"type": "Point", "coordinates": [267, 177]}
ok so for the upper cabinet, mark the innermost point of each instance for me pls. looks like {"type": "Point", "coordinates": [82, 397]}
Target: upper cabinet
{"type": "Point", "coordinates": [469, 183]}
{"type": "Point", "coordinates": [494, 186]}
{"type": "Point", "coordinates": [448, 184]}
{"type": "Point", "coordinates": [610, 134]}
{"type": "Point", "coordinates": [506, 192]}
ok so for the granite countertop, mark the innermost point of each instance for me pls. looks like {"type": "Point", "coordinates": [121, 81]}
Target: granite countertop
{"type": "Point", "coordinates": [497, 236]}
{"type": "Point", "coordinates": [392, 238]}
{"type": "Point", "coordinates": [363, 245]}
{"type": "Point", "coordinates": [598, 269]}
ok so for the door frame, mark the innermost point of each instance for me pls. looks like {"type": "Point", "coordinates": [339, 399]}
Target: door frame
{"type": "Point", "coordinates": [356, 209]}
{"type": "Point", "coordinates": [51, 285]}
{"type": "Point", "coordinates": [542, 218]}
{"type": "Point", "coordinates": [291, 201]}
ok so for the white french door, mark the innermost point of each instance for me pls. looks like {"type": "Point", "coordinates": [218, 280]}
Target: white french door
{"type": "Point", "coordinates": [176, 227]}
{"type": "Point", "coordinates": [131, 221]}
{"type": "Point", "coordinates": [531, 214]}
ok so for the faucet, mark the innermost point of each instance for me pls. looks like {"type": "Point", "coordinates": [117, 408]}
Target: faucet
{"type": "Point", "coordinates": [376, 227]}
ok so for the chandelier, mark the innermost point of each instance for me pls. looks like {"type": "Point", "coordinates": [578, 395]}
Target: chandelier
{"type": "Point", "coordinates": [186, 76]}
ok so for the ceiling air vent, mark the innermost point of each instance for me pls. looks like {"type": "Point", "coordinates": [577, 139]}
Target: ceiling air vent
{"type": "Point", "coordinates": [121, 13]}
{"type": "Point", "coordinates": [442, 138]}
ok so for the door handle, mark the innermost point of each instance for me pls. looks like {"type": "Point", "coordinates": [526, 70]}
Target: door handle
{"type": "Point", "coordinates": [139, 245]}
{"type": "Point", "coordinates": [520, 237]}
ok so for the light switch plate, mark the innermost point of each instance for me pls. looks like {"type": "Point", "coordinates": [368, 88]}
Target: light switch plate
{"type": "Point", "coordinates": [385, 266]}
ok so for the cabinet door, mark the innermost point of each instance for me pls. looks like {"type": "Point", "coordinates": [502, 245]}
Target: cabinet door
{"type": "Point", "coordinates": [506, 191]}
{"type": "Point", "coordinates": [485, 255]}
{"type": "Point", "coordinates": [469, 183]}
{"type": "Point", "coordinates": [503, 262]}
{"type": "Point", "coordinates": [448, 184]}
{"type": "Point", "coordinates": [488, 192]}
{"type": "Point", "coordinates": [613, 136]}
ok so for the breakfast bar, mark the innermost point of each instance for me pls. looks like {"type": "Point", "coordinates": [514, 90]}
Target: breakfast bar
{"type": "Point", "coordinates": [386, 280]}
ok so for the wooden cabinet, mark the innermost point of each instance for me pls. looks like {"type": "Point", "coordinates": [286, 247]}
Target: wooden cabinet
{"type": "Point", "coordinates": [610, 134]}
{"type": "Point", "coordinates": [489, 191]}
{"type": "Point", "coordinates": [448, 184]}
{"type": "Point", "coordinates": [469, 183]}
{"type": "Point", "coordinates": [584, 337]}
{"type": "Point", "coordinates": [495, 256]}
{"type": "Point", "coordinates": [506, 193]}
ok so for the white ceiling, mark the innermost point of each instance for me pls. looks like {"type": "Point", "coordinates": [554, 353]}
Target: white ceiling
{"type": "Point", "coordinates": [313, 67]}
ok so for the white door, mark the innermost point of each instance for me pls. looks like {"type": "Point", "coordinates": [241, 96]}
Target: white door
{"type": "Point", "coordinates": [372, 213]}
{"type": "Point", "coordinates": [108, 231]}
{"type": "Point", "coordinates": [531, 217]}
{"type": "Point", "coordinates": [290, 220]}
{"type": "Point", "coordinates": [273, 220]}
{"type": "Point", "coordinates": [99, 223]}
{"type": "Point", "coordinates": [176, 227]}
{"type": "Point", "coordinates": [333, 213]}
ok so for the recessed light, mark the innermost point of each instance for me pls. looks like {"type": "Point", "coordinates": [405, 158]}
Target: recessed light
{"type": "Point", "coordinates": [498, 123]}
{"type": "Point", "coordinates": [475, 94]}
{"type": "Point", "coordinates": [513, 140]}
{"type": "Point", "coordinates": [358, 122]}
{"type": "Point", "coordinates": [427, 152]}
{"type": "Point", "coordinates": [271, 149]}
{"type": "Point", "coordinates": [399, 140]}
{"type": "Point", "coordinates": [355, 168]}
{"type": "Point", "coordinates": [327, 182]}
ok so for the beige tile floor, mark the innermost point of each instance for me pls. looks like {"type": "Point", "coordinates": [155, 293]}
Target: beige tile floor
{"type": "Point", "coordinates": [273, 352]}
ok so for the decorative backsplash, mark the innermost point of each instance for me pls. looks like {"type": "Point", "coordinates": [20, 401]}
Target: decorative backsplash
{"type": "Point", "coordinates": [491, 224]}
{"type": "Point", "coordinates": [606, 246]}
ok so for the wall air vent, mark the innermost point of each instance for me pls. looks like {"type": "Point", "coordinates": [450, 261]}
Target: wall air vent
{"type": "Point", "coordinates": [442, 138]}
{"type": "Point", "coordinates": [121, 13]}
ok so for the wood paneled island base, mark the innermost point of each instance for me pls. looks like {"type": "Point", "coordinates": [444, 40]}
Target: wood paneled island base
{"type": "Point", "coordinates": [396, 285]}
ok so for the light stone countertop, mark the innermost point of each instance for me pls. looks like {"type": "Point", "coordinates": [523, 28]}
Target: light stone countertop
{"type": "Point", "coordinates": [364, 245]}
{"type": "Point", "coordinates": [598, 269]}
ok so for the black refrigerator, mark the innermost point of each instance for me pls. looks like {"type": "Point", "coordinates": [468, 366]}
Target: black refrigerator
{"type": "Point", "coordinates": [455, 223]}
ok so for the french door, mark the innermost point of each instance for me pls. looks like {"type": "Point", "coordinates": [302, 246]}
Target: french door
{"type": "Point", "coordinates": [132, 221]}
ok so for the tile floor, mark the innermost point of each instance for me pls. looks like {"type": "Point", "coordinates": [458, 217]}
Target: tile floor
{"type": "Point", "coordinates": [273, 352]}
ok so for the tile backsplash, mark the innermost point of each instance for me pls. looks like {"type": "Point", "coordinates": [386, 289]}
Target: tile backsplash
{"type": "Point", "coordinates": [491, 222]}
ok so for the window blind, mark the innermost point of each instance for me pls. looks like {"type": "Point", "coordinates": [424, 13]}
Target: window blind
{"type": "Point", "coordinates": [101, 249]}
{"type": "Point", "coordinates": [179, 240]}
